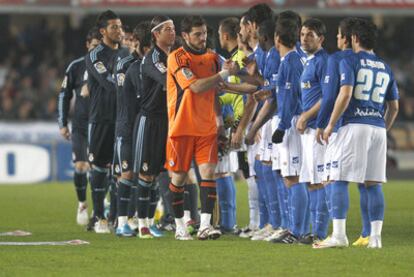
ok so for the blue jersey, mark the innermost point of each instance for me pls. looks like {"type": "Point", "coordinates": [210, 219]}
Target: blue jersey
{"type": "Point", "coordinates": [330, 88]}
{"type": "Point", "coordinates": [288, 89]}
{"type": "Point", "coordinates": [301, 52]}
{"type": "Point", "coordinates": [373, 83]}
{"type": "Point", "coordinates": [271, 69]}
{"type": "Point", "coordinates": [311, 82]}
{"type": "Point", "coordinates": [260, 57]}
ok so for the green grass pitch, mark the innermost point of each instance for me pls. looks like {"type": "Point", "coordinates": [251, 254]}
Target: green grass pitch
{"type": "Point", "coordinates": [48, 211]}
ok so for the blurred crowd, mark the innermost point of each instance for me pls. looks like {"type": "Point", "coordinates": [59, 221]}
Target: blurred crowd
{"type": "Point", "coordinates": [34, 57]}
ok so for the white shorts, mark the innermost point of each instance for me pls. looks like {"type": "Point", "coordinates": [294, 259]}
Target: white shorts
{"type": "Point", "coordinates": [228, 163]}
{"type": "Point", "coordinates": [330, 149]}
{"type": "Point", "coordinates": [360, 154]}
{"type": "Point", "coordinates": [313, 162]}
{"type": "Point", "coordinates": [275, 148]}
{"type": "Point", "coordinates": [251, 157]}
{"type": "Point", "coordinates": [266, 144]}
{"type": "Point", "coordinates": [291, 151]}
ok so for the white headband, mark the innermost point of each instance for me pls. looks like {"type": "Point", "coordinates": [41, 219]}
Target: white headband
{"type": "Point", "coordinates": [162, 23]}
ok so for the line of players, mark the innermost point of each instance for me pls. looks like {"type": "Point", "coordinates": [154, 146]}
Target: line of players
{"type": "Point", "coordinates": [296, 95]}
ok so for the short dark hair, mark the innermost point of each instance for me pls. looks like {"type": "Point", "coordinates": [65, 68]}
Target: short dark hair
{"type": "Point", "coordinates": [157, 20]}
{"type": "Point", "coordinates": [104, 17]}
{"type": "Point", "coordinates": [346, 25]}
{"type": "Point", "coordinates": [267, 29]}
{"type": "Point", "coordinates": [259, 13]}
{"type": "Point", "coordinates": [230, 25]}
{"type": "Point", "coordinates": [191, 21]}
{"type": "Point", "coordinates": [316, 25]}
{"type": "Point", "coordinates": [366, 32]}
{"type": "Point", "coordinates": [291, 15]}
{"type": "Point", "coordinates": [142, 33]}
{"type": "Point", "coordinates": [93, 33]}
{"type": "Point", "coordinates": [288, 32]}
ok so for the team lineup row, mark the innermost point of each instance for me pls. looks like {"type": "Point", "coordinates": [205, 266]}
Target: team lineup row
{"type": "Point", "coordinates": [300, 123]}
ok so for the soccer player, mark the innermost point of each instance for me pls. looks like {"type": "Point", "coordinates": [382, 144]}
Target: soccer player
{"type": "Point", "coordinates": [289, 108]}
{"type": "Point", "coordinates": [192, 78]}
{"type": "Point", "coordinates": [312, 170]}
{"type": "Point", "coordinates": [367, 88]}
{"type": "Point", "coordinates": [100, 63]}
{"type": "Point", "coordinates": [150, 137]}
{"type": "Point", "coordinates": [128, 92]}
{"type": "Point", "coordinates": [74, 82]}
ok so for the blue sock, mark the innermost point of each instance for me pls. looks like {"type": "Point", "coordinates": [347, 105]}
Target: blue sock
{"type": "Point", "coordinates": [376, 203]}
{"type": "Point", "coordinates": [263, 212]}
{"type": "Point", "coordinates": [271, 192]}
{"type": "Point", "coordinates": [322, 215]}
{"type": "Point", "coordinates": [232, 201]}
{"type": "Point", "coordinates": [290, 222]}
{"type": "Point", "coordinates": [363, 204]}
{"type": "Point", "coordinates": [313, 201]}
{"type": "Point", "coordinates": [307, 220]}
{"type": "Point", "coordinates": [283, 200]}
{"type": "Point", "coordinates": [222, 193]}
{"type": "Point", "coordinates": [299, 200]}
{"type": "Point", "coordinates": [328, 189]}
{"type": "Point", "coordinates": [339, 199]}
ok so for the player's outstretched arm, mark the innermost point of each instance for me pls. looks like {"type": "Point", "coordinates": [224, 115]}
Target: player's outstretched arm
{"type": "Point", "coordinates": [248, 113]}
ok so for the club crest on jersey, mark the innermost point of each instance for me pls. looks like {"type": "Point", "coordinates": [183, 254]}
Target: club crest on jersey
{"type": "Point", "coordinates": [187, 73]}
{"type": "Point", "coordinates": [295, 160]}
{"type": "Point", "coordinates": [100, 67]}
{"type": "Point", "coordinates": [117, 169]}
{"type": "Point", "coordinates": [120, 78]}
{"type": "Point", "coordinates": [342, 76]}
{"type": "Point", "coordinates": [161, 67]}
{"type": "Point", "coordinates": [274, 77]}
{"type": "Point", "coordinates": [85, 76]}
{"type": "Point", "coordinates": [91, 157]}
{"type": "Point", "coordinates": [124, 165]}
{"type": "Point", "coordinates": [288, 85]}
{"type": "Point", "coordinates": [145, 166]}
{"type": "Point", "coordinates": [171, 163]}
{"type": "Point", "coordinates": [326, 81]}
{"type": "Point", "coordinates": [306, 85]}
{"type": "Point", "coordinates": [266, 83]}
{"type": "Point", "coordinates": [65, 82]}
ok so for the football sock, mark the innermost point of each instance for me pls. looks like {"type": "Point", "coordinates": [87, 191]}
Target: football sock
{"type": "Point", "coordinates": [328, 189]}
{"type": "Point", "coordinates": [113, 193]}
{"type": "Point", "coordinates": [271, 193]}
{"type": "Point", "coordinates": [164, 182]}
{"type": "Point", "coordinates": [313, 201]}
{"type": "Point", "coordinates": [322, 215]}
{"type": "Point", "coordinates": [307, 220]}
{"type": "Point", "coordinates": [232, 204]}
{"type": "Point", "coordinates": [263, 212]}
{"type": "Point", "coordinates": [282, 197]}
{"type": "Point", "coordinates": [143, 198]}
{"type": "Point", "coordinates": [187, 215]}
{"type": "Point", "coordinates": [253, 196]}
{"type": "Point", "coordinates": [122, 221]}
{"type": "Point", "coordinates": [363, 204]}
{"type": "Point", "coordinates": [299, 203]}
{"type": "Point", "coordinates": [124, 196]}
{"type": "Point", "coordinates": [81, 181]}
{"type": "Point", "coordinates": [154, 196]}
{"type": "Point", "coordinates": [132, 207]}
{"type": "Point", "coordinates": [192, 200]}
{"type": "Point", "coordinates": [98, 180]}
{"type": "Point", "coordinates": [376, 202]}
{"type": "Point", "coordinates": [340, 199]}
{"type": "Point", "coordinates": [177, 198]}
{"type": "Point", "coordinates": [222, 194]}
{"type": "Point", "coordinates": [208, 195]}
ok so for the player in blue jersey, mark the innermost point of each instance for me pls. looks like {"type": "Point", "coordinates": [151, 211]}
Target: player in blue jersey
{"type": "Point", "coordinates": [312, 37]}
{"type": "Point", "coordinates": [289, 108]}
{"type": "Point", "coordinates": [368, 104]}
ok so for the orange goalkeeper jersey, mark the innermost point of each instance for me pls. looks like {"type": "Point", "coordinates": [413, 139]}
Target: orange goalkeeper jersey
{"type": "Point", "coordinates": [189, 113]}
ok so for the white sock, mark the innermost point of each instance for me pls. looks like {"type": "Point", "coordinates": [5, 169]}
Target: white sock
{"type": "Point", "coordinates": [253, 195]}
{"type": "Point", "coordinates": [187, 215]}
{"type": "Point", "coordinates": [376, 228]}
{"type": "Point", "coordinates": [82, 204]}
{"type": "Point", "coordinates": [205, 221]}
{"type": "Point", "coordinates": [150, 221]}
{"type": "Point", "coordinates": [339, 228]}
{"type": "Point", "coordinates": [142, 222]}
{"type": "Point", "coordinates": [180, 223]}
{"type": "Point", "coordinates": [122, 220]}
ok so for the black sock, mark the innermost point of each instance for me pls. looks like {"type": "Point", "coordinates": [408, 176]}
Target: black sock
{"type": "Point", "coordinates": [164, 182]}
{"type": "Point", "coordinates": [113, 193]}
{"type": "Point", "coordinates": [132, 207]}
{"type": "Point", "coordinates": [154, 197]}
{"type": "Point", "coordinates": [143, 198]}
{"type": "Point", "coordinates": [124, 196]}
{"type": "Point", "coordinates": [208, 196]}
{"type": "Point", "coordinates": [81, 183]}
{"type": "Point", "coordinates": [98, 184]}
{"type": "Point", "coordinates": [177, 200]}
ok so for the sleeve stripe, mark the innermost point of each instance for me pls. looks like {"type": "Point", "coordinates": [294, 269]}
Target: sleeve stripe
{"type": "Point", "coordinates": [74, 62]}
{"type": "Point", "coordinates": [94, 53]}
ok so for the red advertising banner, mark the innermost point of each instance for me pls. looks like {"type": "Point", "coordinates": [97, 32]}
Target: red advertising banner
{"type": "Point", "coordinates": [370, 3]}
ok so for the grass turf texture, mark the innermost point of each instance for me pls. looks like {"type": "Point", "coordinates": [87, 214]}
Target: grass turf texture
{"type": "Point", "coordinates": [48, 211]}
